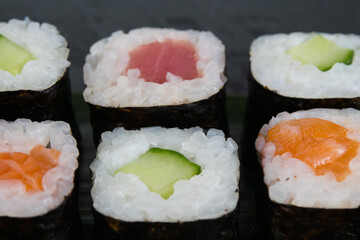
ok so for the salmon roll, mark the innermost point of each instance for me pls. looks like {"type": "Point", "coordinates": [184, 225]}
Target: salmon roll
{"type": "Point", "coordinates": [310, 160]}
{"type": "Point", "coordinates": [34, 82]}
{"type": "Point", "coordinates": [156, 77]}
{"type": "Point", "coordinates": [160, 183]}
{"type": "Point", "coordinates": [37, 167]}
{"type": "Point", "coordinates": [300, 71]}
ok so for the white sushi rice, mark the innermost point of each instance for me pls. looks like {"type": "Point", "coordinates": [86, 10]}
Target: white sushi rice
{"type": "Point", "coordinates": [21, 136]}
{"type": "Point", "coordinates": [48, 47]}
{"type": "Point", "coordinates": [279, 72]}
{"type": "Point", "coordinates": [211, 194]}
{"type": "Point", "coordinates": [291, 181]}
{"type": "Point", "coordinates": [108, 84]}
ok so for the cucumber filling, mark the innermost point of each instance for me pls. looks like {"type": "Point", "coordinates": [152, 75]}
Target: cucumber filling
{"type": "Point", "coordinates": [12, 56]}
{"type": "Point", "coordinates": [159, 169]}
{"type": "Point", "coordinates": [321, 52]}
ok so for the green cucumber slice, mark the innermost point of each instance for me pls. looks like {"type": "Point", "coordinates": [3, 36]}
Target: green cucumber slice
{"type": "Point", "coordinates": [321, 52]}
{"type": "Point", "coordinates": [160, 169]}
{"type": "Point", "coordinates": [12, 56]}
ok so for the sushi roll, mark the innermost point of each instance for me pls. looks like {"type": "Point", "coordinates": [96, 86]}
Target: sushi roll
{"type": "Point", "coordinates": [37, 166]}
{"type": "Point", "coordinates": [156, 77]}
{"type": "Point", "coordinates": [311, 165]}
{"type": "Point", "coordinates": [159, 183]}
{"type": "Point", "coordinates": [300, 71]}
{"type": "Point", "coordinates": [34, 82]}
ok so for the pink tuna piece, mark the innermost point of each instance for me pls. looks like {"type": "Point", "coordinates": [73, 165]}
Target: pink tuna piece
{"type": "Point", "coordinates": [154, 60]}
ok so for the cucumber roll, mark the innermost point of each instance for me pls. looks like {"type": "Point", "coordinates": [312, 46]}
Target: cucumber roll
{"type": "Point", "coordinates": [37, 167]}
{"type": "Point", "coordinates": [156, 77]}
{"type": "Point", "coordinates": [310, 160]}
{"type": "Point", "coordinates": [299, 71]}
{"type": "Point", "coordinates": [158, 183]}
{"type": "Point", "coordinates": [34, 81]}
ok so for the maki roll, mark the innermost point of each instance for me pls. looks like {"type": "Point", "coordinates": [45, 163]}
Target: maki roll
{"type": "Point", "coordinates": [37, 165]}
{"type": "Point", "coordinates": [156, 77]}
{"type": "Point", "coordinates": [158, 183]}
{"type": "Point", "coordinates": [310, 160]}
{"type": "Point", "coordinates": [299, 71]}
{"type": "Point", "coordinates": [34, 81]}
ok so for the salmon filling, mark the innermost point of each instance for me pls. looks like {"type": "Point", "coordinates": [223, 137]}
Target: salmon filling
{"type": "Point", "coordinates": [321, 144]}
{"type": "Point", "coordinates": [155, 60]}
{"type": "Point", "coordinates": [28, 168]}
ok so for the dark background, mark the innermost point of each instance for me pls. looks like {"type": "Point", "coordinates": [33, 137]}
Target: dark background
{"type": "Point", "coordinates": [235, 22]}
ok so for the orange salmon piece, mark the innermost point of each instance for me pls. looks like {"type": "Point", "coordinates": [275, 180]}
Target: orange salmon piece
{"type": "Point", "coordinates": [154, 60]}
{"type": "Point", "coordinates": [321, 144]}
{"type": "Point", "coordinates": [28, 168]}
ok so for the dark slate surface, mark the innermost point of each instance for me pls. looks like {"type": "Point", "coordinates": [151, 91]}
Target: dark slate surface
{"type": "Point", "coordinates": [235, 22]}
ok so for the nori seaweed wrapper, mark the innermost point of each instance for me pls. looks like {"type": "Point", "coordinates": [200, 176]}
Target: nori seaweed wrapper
{"type": "Point", "coordinates": [53, 103]}
{"type": "Point", "coordinates": [263, 104]}
{"type": "Point", "coordinates": [280, 221]}
{"type": "Point", "coordinates": [207, 113]}
{"type": "Point", "coordinates": [61, 223]}
{"type": "Point", "coordinates": [289, 222]}
{"type": "Point", "coordinates": [223, 228]}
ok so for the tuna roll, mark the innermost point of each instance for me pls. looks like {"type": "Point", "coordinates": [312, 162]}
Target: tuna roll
{"type": "Point", "coordinates": [299, 71]}
{"type": "Point", "coordinates": [34, 81]}
{"type": "Point", "coordinates": [311, 166]}
{"type": "Point", "coordinates": [156, 77]}
{"type": "Point", "coordinates": [159, 183]}
{"type": "Point", "coordinates": [37, 167]}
